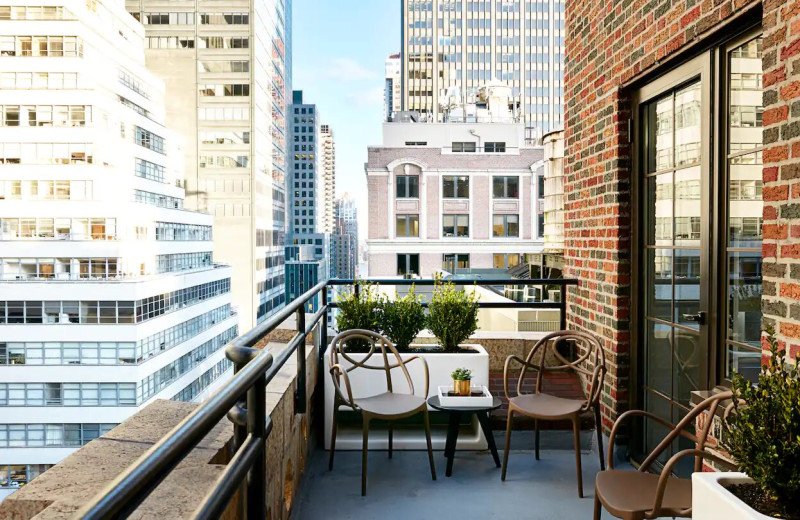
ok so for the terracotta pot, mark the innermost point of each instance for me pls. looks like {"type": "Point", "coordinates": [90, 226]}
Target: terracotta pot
{"type": "Point", "coordinates": [461, 387]}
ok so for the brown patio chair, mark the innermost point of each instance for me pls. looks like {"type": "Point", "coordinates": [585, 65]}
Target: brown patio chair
{"type": "Point", "coordinates": [388, 406]}
{"type": "Point", "coordinates": [635, 495]}
{"type": "Point", "coordinates": [589, 366]}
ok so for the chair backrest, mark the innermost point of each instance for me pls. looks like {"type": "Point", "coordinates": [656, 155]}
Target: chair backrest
{"type": "Point", "coordinates": [589, 363]}
{"type": "Point", "coordinates": [379, 347]}
{"type": "Point", "coordinates": [710, 405]}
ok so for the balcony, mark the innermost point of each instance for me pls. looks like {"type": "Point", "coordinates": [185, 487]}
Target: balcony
{"type": "Point", "coordinates": [267, 458]}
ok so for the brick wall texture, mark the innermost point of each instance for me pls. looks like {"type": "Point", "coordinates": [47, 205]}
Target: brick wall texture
{"type": "Point", "coordinates": [781, 246]}
{"type": "Point", "coordinates": [607, 44]}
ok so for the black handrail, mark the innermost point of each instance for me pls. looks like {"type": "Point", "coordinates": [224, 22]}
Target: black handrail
{"type": "Point", "coordinates": [254, 369]}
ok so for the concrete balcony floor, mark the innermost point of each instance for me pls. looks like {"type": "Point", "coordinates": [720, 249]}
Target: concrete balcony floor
{"type": "Point", "coordinates": [401, 488]}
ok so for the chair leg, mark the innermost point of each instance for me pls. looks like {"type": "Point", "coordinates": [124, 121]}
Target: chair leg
{"type": "Point", "coordinates": [597, 506]}
{"type": "Point", "coordinates": [598, 425]}
{"type": "Point", "coordinates": [333, 439]}
{"type": "Point", "coordinates": [364, 450]}
{"type": "Point", "coordinates": [509, 420]}
{"type": "Point", "coordinates": [577, 433]}
{"type": "Point", "coordinates": [536, 427]}
{"type": "Point", "coordinates": [391, 437]}
{"type": "Point", "coordinates": [430, 444]}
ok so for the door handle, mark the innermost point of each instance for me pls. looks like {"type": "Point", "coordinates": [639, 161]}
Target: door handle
{"type": "Point", "coordinates": [699, 318]}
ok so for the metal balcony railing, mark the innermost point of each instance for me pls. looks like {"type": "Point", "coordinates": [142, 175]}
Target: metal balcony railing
{"type": "Point", "coordinates": [243, 400]}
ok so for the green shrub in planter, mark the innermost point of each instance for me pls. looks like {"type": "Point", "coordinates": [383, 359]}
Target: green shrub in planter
{"type": "Point", "coordinates": [402, 319]}
{"type": "Point", "coordinates": [359, 312]}
{"type": "Point", "coordinates": [763, 434]}
{"type": "Point", "coordinates": [452, 315]}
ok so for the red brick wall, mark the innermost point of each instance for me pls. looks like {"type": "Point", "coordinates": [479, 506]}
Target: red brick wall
{"type": "Point", "coordinates": [607, 44]}
{"type": "Point", "coordinates": [781, 249]}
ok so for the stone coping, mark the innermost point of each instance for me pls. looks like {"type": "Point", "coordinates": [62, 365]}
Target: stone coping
{"type": "Point", "coordinates": [63, 489]}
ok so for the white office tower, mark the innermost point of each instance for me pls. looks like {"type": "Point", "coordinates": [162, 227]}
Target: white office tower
{"type": "Point", "coordinates": [108, 294]}
{"type": "Point", "coordinates": [327, 223]}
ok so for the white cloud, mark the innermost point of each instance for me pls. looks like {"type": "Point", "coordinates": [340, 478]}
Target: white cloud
{"type": "Point", "coordinates": [365, 98]}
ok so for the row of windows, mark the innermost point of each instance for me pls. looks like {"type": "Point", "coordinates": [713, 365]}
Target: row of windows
{"type": "Point", "coordinates": [60, 228]}
{"type": "Point", "coordinates": [223, 113]}
{"type": "Point", "coordinates": [458, 225]}
{"type": "Point", "coordinates": [32, 12]}
{"type": "Point", "coordinates": [46, 153]}
{"type": "Point", "coordinates": [45, 115]}
{"type": "Point", "coordinates": [136, 108]}
{"type": "Point", "coordinates": [194, 388]}
{"type": "Point", "coordinates": [503, 187]}
{"type": "Point", "coordinates": [149, 140]}
{"type": "Point", "coordinates": [50, 435]}
{"type": "Point", "coordinates": [188, 18]}
{"type": "Point", "coordinates": [224, 90]}
{"type": "Point", "coordinates": [108, 312]}
{"type": "Point", "coordinates": [133, 83]}
{"type": "Point", "coordinates": [224, 161]}
{"type": "Point", "coordinates": [149, 170]}
{"type": "Point", "coordinates": [157, 199]}
{"type": "Point", "coordinates": [67, 394]}
{"type": "Point", "coordinates": [38, 46]}
{"type": "Point", "coordinates": [164, 376]}
{"type": "Point", "coordinates": [172, 231]}
{"type": "Point", "coordinates": [182, 262]}
{"type": "Point", "coordinates": [223, 42]}
{"type": "Point", "coordinates": [177, 334]}
{"type": "Point", "coordinates": [169, 42]}
{"type": "Point", "coordinates": [217, 66]}
{"type": "Point", "coordinates": [58, 268]}
{"type": "Point", "coordinates": [408, 263]}
{"type": "Point", "coordinates": [38, 80]}
{"type": "Point", "coordinates": [17, 475]}
{"type": "Point", "coordinates": [46, 190]}
{"type": "Point", "coordinates": [67, 353]}
{"type": "Point", "coordinates": [225, 137]}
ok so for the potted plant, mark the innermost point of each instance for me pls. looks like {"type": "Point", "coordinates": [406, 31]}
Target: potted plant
{"type": "Point", "coordinates": [452, 315]}
{"type": "Point", "coordinates": [461, 380]}
{"type": "Point", "coordinates": [359, 310]}
{"type": "Point", "coordinates": [763, 436]}
{"type": "Point", "coordinates": [402, 319]}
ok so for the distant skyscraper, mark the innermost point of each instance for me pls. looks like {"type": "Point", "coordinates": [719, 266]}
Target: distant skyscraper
{"type": "Point", "coordinates": [108, 295]}
{"type": "Point", "coordinates": [227, 70]}
{"type": "Point", "coordinates": [344, 260]}
{"type": "Point", "coordinates": [304, 173]}
{"type": "Point", "coordinates": [465, 44]}
{"type": "Point", "coordinates": [393, 93]}
{"type": "Point", "coordinates": [328, 189]}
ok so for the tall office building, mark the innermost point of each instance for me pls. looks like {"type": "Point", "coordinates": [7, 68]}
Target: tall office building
{"type": "Point", "coordinates": [327, 191]}
{"type": "Point", "coordinates": [344, 241]}
{"type": "Point", "coordinates": [108, 295]}
{"type": "Point", "coordinates": [304, 167]}
{"type": "Point", "coordinates": [392, 95]}
{"type": "Point", "coordinates": [459, 45]}
{"type": "Point", "coordinates": [226, 69]}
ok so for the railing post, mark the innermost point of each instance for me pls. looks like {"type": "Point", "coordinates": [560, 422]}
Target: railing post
{"type": "Point", "coordinates": [257, 427]}
{"type": "Point", "coordinates": [323, 327]}
{"type": "Point", "coordinates": [563, 307]}
{"type": "Point", "coordinates": [240, 356]}
{"type": "Point", "coordinates": [356, 288]}
{"type": "Point", "coordinates": [300, 386]}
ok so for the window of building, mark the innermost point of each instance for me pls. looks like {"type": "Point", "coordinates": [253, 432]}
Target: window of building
{"type": "Point", "coordinates": [505, 187]}
{"type": "Point", "coordinates": [407, 264]}
{"type": "Point", "coordinates": [453, 261]}
{"type": "Point", "coordinates": [540, 186]}
{"type": "Point", "coordinates": [506, 261]}
{"type": "Point", "coordinates": [416, 143]}
{"type": "Point", "coordinates": [455, 225]}
{"type": "Point", "coordinates": [455, 187]}
{"type": "Point", "coordinates": [407, 186]}
{"type": "Point", "coordinates": [494, 147]}
{"type": "Point", "coordinates": [464, 147]}
{"type": "Point", "coordinates": [505, 225]}
{"type": "Point", "coordinates": [407, 226]}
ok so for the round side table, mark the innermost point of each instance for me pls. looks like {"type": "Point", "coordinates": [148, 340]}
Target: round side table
{"type": "Point", "coordinates": [482, 414]}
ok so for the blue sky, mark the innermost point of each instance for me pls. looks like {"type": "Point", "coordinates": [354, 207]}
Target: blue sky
{"type": "Point", "coordinates": [339, 50]}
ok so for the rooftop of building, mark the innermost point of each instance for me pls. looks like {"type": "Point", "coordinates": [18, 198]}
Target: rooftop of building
{"type": "Point", "coordinates": [378, 157]}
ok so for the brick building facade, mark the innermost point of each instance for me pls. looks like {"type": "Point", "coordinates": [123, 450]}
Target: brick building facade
{"type": "Point", "coordinates": [691, 70]}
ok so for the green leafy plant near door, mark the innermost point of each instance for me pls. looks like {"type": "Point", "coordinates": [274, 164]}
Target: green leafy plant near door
{"type": "Point", "coordinates": [452, 314]}
{"type": "Point", "coordinates": [402, 319]}
{"type": "Point", "coordinates": [359, 310]}
{"type": "Point", "coordinates": [763, 435]}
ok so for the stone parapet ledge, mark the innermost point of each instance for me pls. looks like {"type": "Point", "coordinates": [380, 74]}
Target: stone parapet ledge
{"type": "Point", "coordinates": [62, 490]}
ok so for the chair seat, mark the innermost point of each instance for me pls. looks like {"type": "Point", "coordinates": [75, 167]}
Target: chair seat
{"type": "Point", "coordinates": [545, 406]}
{"type": "Point", "coordinates": [626, 492]}
{"type": "Point", "coordinates": [390, 404]}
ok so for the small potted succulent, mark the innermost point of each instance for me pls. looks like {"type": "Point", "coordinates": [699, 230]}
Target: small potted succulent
{"type": "Point", "coordinates": [461, 381]}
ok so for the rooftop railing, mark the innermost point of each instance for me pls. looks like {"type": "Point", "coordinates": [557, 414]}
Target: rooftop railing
{"type": "Point", "coordinates": [243, 400]}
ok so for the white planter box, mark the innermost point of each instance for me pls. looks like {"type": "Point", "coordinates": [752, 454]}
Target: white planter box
{"type": "Point", "coordinates": [366, 383]}
{"type": "Point", "coordinates": [711, 501]}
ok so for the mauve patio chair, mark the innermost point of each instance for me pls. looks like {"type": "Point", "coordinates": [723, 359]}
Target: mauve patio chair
{"type": "Point", "coordinates": [636, 495]}
{"type": "Point", "coordinates": [544, 357]}
{"type": "Point", "coordinates": [388, 406]}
